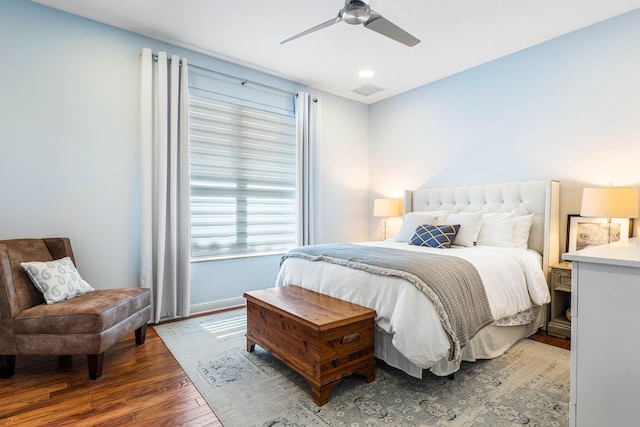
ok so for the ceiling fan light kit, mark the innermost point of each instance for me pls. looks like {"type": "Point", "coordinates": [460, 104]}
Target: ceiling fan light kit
{"type": "Point", "coordinates": [356, 12]}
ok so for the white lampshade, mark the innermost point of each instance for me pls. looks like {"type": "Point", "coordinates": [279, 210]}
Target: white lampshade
{"type": "Point", "coordinates": [610, 202]}
{"type": "Point", "coordinates": [386, 207]}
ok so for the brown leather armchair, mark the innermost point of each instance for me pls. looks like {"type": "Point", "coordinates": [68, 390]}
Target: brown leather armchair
{"type": "Point", "coordinates": [86, 324]}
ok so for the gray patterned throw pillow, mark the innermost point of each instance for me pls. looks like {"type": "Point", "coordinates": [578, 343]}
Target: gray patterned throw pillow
{"type": "Point", "coordinates": [57, 280]}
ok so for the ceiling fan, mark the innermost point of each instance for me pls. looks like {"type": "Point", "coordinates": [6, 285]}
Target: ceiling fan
{"type": "Point", "coordinates": [357, 12]}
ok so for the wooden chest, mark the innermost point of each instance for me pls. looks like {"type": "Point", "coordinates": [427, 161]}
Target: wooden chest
{"type": "Point", "coordinates": [322, 338]}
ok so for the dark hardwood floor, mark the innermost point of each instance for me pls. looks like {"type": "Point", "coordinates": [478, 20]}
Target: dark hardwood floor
{"type": "Point", "coordinates": [140, 385]}
{"type": "Point", "coordinates": [543, 337]}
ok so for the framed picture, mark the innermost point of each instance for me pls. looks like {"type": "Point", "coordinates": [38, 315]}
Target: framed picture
{"type": "Point", "coordinates": [583, 232]}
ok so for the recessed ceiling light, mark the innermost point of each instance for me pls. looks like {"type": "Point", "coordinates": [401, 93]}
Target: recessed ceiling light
{"type": "Point", "coordinates": [365, 74]}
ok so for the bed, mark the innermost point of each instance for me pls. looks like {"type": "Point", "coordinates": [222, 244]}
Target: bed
{"type": "Point", "coordinates": [506, 237]}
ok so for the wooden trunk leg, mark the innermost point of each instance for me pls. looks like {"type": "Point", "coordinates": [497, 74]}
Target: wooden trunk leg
{"type": "Point", "coordinates": [321, 394]}
{"type": "Point", "coordinates": [95, 362]}
{"type": "Point", "coordinates": [141, 334]}
{"type": "Point", "coordinates": [10, 367]}
{"type": "Point", "coordinates": [251, 344]}
{"type": "Point", "coordinates": [369, 374]}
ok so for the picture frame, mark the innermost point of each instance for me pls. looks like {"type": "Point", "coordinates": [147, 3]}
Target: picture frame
{"type": "Point", "coordinates": [584, 232]}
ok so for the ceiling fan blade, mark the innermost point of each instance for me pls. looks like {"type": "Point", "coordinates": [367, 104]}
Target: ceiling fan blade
{"type": "Point", "coordinates": [381, 25]}
{"type": "Point", "coordinates": [313, 29]}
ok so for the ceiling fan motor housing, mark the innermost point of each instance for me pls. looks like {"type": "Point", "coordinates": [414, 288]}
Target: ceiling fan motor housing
{"type": "Point", "coordinates": [356, 12]}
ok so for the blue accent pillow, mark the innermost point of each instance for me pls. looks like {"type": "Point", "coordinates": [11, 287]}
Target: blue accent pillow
{"type": "Point", "coordinates": [435, 236]}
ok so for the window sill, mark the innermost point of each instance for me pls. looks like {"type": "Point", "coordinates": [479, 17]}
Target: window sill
{"type": "Point", "coordinates": [237, 256]}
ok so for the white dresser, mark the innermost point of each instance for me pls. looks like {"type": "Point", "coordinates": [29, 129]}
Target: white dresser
{"type": "Point", "coordinates": [605, 335]}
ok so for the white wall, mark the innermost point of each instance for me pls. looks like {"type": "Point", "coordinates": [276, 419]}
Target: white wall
{"type": "Point", "coordinates": [69, 160]}
{"type": "Point", "coordinates": [568, 109]}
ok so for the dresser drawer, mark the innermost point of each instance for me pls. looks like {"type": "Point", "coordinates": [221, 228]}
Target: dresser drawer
{"type": "Point", "coordinates": [561, 279]}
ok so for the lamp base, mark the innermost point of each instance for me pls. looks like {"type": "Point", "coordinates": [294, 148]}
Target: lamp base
{"type": "Point", "coordinates": [384, 228]}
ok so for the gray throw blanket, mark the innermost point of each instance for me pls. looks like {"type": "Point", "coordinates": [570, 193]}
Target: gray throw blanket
{"type": "Point", "coordinates": [452, 284]}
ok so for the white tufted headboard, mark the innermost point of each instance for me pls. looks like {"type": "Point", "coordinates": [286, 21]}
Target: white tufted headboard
{"type": "Point", "coordinates": [542, 198]}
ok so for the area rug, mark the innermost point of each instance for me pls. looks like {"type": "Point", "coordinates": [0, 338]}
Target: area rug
{"type": "Point", "coordinates": [528, 385]}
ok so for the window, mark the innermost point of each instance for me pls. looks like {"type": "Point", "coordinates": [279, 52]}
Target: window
{"type": "Point", "coordinates": [243, 177]}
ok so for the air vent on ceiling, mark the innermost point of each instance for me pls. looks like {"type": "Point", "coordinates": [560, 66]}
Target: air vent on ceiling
{"type": "Point", "coordinates": [367, 89]}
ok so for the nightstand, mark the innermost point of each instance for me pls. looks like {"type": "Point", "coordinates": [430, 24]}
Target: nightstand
{"type": "Point", "coordinates": [560, 288]}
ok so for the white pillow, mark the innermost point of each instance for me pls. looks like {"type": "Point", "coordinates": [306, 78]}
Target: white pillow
{"type": "Point", "coordinates": [521, 230]}
{"type": "Point", "coordinates": [57, 280]}
{"type": "Point", "coordinates": [497, 229]}
{"type": "Point", "coordinates": [412, 220]}
{"type": "Point", "coordinates": [470, 223]}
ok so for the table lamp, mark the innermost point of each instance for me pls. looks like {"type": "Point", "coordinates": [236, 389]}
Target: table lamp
{"type": "Point", "coordinates": [386, 208]}
{"type": "Point", "coordinates": [610, 202]}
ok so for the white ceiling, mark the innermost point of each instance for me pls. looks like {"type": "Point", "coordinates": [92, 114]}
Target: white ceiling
{"type": "Point", "coordinates": [455, 34]}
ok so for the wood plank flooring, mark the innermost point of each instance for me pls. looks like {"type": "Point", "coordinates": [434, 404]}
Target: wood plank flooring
{"type": "Point", "coordinates": [543, 337]}
{"type": "Point", "coordinates": [140, 385]}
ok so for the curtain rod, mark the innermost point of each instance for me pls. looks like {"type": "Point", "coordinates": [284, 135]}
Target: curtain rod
{"type": "Point", "coordinates": [243, 81]}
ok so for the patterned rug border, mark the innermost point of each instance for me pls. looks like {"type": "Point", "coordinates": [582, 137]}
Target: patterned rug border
{"type": "Point", "coordinates": [528, 385]}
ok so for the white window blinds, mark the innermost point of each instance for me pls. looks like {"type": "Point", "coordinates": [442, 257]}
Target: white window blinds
{"type": "Point", "coordinates": [243, 176]}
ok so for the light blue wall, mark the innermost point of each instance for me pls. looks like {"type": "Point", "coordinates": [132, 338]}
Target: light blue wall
{"type": "Point", "coordinates": [568, 109]}
{"type": "Point", "coordinates": [69, 160]}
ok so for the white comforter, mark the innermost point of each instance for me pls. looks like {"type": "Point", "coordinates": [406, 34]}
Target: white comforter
{"type": "Point", "coordinates": [513, 280]}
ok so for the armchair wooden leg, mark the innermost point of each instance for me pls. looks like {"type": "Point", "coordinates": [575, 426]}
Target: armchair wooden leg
{"type": "Point", "coordinates": [141, 334]}
{"type": "Point", "coordinates": [10, 367]}
{"type": "Point", "coordinates": [95, 362]}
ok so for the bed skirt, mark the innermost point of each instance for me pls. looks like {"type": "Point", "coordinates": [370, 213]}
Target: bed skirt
{"type": "Point", "coordinates": [490, 342]}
